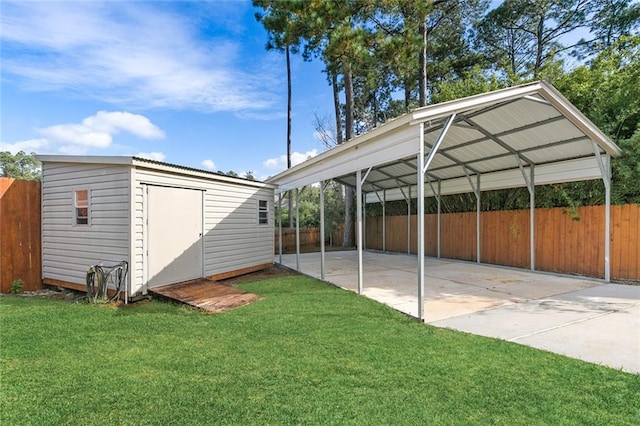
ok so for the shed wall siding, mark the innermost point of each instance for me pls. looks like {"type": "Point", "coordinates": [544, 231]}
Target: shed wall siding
{"type": "Point", "coordinates": [137, 265]}
{"type": "Point", "coordinates": [69, 249]}
{"type": "Point", "coordinates": [233, 239]}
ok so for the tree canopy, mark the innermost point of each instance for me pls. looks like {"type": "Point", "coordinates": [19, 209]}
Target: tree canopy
{"type": "Point", "coordinates": [20, 166]}
{"type": "Point", "coordinates": [385, 57]}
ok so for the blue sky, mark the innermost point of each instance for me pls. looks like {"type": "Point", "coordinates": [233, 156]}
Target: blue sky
{"type": "Point", "coordinates": [182, 82]}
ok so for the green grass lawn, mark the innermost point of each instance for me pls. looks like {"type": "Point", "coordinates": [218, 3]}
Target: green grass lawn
{"type": "Point", "coordinates": [307, 353]}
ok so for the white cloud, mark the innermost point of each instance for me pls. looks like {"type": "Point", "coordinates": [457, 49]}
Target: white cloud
{"type": "Point", "coordinates": [208, 164]}
{"type": "Point", "coordinates": [114, 122]}
{"type": "Point", "coordinates": [97, 130]}
{"type": "Point", "coordinates": [94, 132]}
{"type": "Point", "coordinates": [156, 156]}
{"type": "Point", "coordinates": [279, 164]}
{"type": "Point", "coordinates": [27, 146]}
{"type": "Point", "coordinates": [143, 54]}
{"type": "Point", "coordinates": [76, 134]}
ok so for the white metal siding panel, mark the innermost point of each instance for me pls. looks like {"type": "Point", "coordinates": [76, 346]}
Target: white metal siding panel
{"type": "Point", "coordinates": [137, 263]}
{"type": "Point", "coordinates": [68, 250]}
{"type": "Point", "coordinates": [233, 238]}
{"type": "Point", "coordinates": [568, 171]}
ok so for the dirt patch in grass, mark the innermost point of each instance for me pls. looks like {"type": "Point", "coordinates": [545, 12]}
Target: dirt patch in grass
{"type": "Point", "coordinates": [46, 292]}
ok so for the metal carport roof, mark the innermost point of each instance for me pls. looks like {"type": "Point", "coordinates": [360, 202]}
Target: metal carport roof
{"type": "Point", "coordinates": [493, 134]}
{"type": "Point", "coordinates": [520, 136]}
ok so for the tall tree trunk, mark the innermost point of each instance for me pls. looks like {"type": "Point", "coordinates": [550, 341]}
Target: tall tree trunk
{"type": "Point", "coordinates": [336, 106]}
{"type": "Point", "coordinates": [286, 50]}
{"type": "Point", "coordinates": [422, 83]}
{"type": "Point", "coordinates": [539, 47]}
{"type": "Point", "coordinates": [347, 241]}
{"type": "Point", "coordinates": [407, 94]}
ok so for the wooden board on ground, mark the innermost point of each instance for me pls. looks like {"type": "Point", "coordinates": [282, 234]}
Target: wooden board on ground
{"type": "Point", "coordinates": [205, 294]}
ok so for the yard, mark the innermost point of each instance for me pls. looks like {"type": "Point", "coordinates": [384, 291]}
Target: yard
{"type": "Point", "coordinates": [307, 353]}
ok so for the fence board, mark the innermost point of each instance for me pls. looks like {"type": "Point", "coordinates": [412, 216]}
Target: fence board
{"type": "Point", "coordinates": [562, 244]}
{"type": "Point", "coordinates": [634, 244]}
{"type": "Point", "coordinates": [20, 253]}
{"type": "Point", "coordinates": [309, 238]}
{"type": "Point", "coordinates": [431, 235]}
{"type": "Point", "coordinates": [624, 249]}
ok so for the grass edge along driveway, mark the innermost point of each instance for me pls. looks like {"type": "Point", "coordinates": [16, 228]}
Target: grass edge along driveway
{"type": "Point", "coordinates": [308, 353]}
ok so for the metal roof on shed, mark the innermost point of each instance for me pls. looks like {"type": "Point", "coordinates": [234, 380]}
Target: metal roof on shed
{"type": "Point", "coordinates": [496, 135]}
{"type": "Point", "coordinates": [148, 164]}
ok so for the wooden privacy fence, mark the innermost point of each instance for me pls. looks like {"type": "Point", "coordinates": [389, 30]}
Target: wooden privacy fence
{"type": "Point", "coordinates": [564, 242]}
{"type": "Point", "coordinates": [309, 238]}
{"type": "Point", "coordinates": [20, 254]}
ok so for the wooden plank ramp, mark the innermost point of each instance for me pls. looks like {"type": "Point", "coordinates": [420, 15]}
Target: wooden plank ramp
{"type": "Point", "coordinates": [206, 294]}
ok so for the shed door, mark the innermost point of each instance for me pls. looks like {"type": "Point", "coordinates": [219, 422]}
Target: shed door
{"type": "Point", "coordinates": [174, 235]}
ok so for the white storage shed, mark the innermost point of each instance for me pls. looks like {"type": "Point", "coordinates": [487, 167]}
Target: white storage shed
{"type": "Point", "coordinates": [170, 223]}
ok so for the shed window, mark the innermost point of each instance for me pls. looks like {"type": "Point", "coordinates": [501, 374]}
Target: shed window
{"type": "Point", "coordinates": [263, 212]}
{"type": "Point", "coordinates": [82, 207]}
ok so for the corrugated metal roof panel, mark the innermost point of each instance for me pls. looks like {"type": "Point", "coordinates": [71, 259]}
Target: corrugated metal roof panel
{"type": "Point", "coordinates": [515, 114]}
{"type": "Point", "coordinates": [477, 150]}
{"type": "Point", "coordinates": [542, 135]}
{"type": "Point", "coordinates": [561, 152]}
{"type": "Point", "coordinates": [533, 121]}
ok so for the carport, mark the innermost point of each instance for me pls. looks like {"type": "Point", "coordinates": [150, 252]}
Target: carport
{"type": "Point", "coordinates": [516, 137]}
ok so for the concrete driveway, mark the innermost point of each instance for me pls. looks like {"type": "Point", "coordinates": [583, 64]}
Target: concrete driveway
{"type": "Point", "coordinates": [574, 316]}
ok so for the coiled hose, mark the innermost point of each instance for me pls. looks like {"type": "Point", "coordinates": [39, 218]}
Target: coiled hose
{"type": "Point", "coordinates": [99, 277]}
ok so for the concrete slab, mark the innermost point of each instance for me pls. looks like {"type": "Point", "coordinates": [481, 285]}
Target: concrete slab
{"type": "Point", "coordinates": [446, 306]}
{"type": "Point", "coordinates": [518, 320]}
{"type": "Point", "coordinates": [575, 316]}
{"type": "Point", "coordinates": [610, 338]}
{"type": "Point", "coordinates": [607, 296]}
{"type": "Point", "coordinates": [540, 288]}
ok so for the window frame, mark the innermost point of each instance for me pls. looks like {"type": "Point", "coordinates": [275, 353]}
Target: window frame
{"type": "Point", "coordinates": [263, 210]}
{"type": "Point", "coordinates": [78, 204]}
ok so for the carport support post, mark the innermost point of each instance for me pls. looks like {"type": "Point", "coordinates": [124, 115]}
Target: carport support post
{"type": "Point", "coordinates": [359, 228]}
{"type": "Point", "coordinates": [439, 209]}
{"type": "Point", "coordinates": [364, 221]}
{"type": "Point", "coordinates": [532, 218]}
{"type": "Point", "coordinates": [476, 191]}
{"type": "Point", "coordinates": [297, 229]}
{"type": "Point", "coordinates": [478, 218]}
{"type": "Point", "coordinates": [605, 172]}
{"type": "Point", "coordinates": [280, 227]}
{"type": "Point", "coordinates": [420, 218]}
{"type": "Point", "coordinates": [384, 220]}
{"type": "Point", "coordinates": [322, 230]}
{"type": "Point", "coordinates": [606, 177]}
{"type": "Point", "coordinates": [607, 224]}
{"type": "Point", "coordinates": [409, 220]}
{"type": "Point", "coordinates": [423, 166]}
